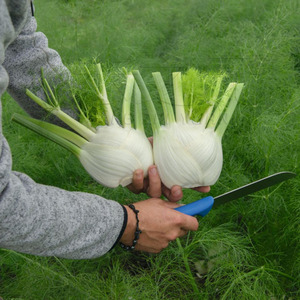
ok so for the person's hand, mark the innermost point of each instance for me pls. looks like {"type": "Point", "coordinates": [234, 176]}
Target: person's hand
{"type": "Point", "coordinates": [153, 186]}
{"type": "Point", "coordinates": [159, 223]}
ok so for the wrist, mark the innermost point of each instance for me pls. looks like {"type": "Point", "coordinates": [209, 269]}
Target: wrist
{"type": "Point", "coordinates": [132, 231]}
{"type": "Point", "coordinates": [128, 234]}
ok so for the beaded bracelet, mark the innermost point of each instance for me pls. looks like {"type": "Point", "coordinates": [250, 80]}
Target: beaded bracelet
{"type": "Point", "coordinates": [137, 231]}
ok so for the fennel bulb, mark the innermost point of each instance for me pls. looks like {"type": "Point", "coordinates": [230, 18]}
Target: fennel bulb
{"type": "Point", "coordinates": [187, 151]}
{"type": "Point", "coordinates": [114, 153]}
{"type": "Point", "coordinates": [110, 153]}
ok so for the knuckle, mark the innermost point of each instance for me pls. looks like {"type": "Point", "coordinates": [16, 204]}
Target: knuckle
{"type": "Point", "coordinates": [164, 245]}
{"type": "Point", "coordinates": [155, 251]}
{"type": "Point", "coordinates": [196, 224]}
{"type": "Point", "coordinates": [178, 220]}
{"type": "Point", "coordinates": [173, 236]}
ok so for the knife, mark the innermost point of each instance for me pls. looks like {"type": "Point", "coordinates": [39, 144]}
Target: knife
{"type": "Point", "coordinates": [203, 206]}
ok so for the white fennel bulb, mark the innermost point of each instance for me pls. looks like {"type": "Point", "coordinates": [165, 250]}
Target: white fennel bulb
{"type": "Point", "coordinates": [109, 153]}
{"type": "Point", "coordinates": [188, 155]}
{"type": "Point", "coordinates": [114, 153]}
{"type": "Point", "coordinates": [188, 149]}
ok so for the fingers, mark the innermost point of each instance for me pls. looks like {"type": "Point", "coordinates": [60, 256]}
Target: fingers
{"type": "Point", "coordinates": [138, 180]}
{"type": "Point", "coordinates": [183, 221]}
{"type": "Point", "coordinates": [154, 249]}
{"type": "Point", "coordinates": [154, 187]}
{"type": "Point", "coordinates": [174, 194]}
{"type": "Point", "coordinates": [158, 246]}
{"type": "Point", "coordinates": [190, 223]}
{"type": "Point", "coordinates": [162, 244]}
{"type": "Point", "coordinates": [202, 189]}
{"type": "Point", "coordinates": [187, 223]}
{"type": "Point", "coordinates": [137, 183]}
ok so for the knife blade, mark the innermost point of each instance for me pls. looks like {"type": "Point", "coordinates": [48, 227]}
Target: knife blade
{"type": "Point", "coordinates": [203, 206]}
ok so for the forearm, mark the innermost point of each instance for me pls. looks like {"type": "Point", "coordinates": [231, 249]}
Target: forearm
{"type": "Point", "coordinates": [45, 220]}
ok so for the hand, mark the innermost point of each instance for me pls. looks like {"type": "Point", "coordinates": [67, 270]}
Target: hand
{"type": "Point", "coordinates": [159, 223]}
{"type": "Point", "coordinates": [153, 186]}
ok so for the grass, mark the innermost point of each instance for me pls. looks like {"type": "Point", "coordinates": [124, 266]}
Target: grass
{"type": "Point", "coordinates": [247, 249]}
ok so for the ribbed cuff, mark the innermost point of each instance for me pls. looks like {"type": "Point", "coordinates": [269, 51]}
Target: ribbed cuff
{"type": "Point", "coordinates": [123, 227]}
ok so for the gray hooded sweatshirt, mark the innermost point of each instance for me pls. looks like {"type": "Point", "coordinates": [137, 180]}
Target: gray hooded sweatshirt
{"type": "Point", "coordinates": [35, 218]}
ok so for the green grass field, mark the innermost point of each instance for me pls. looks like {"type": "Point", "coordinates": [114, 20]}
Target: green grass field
{"type": "Point", "coordinates": [248, 249]}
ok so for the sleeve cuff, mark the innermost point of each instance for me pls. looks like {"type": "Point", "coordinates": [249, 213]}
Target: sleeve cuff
{"type": "Point", "coordinates": [122, 229]}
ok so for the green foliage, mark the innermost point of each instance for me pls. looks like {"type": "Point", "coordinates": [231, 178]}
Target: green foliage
{"type": "Point", "coordinates": [247, 249]}
{"type": "Point", "coordinates": [84, 94]}
{"type": "Point", "coordinates": [198, 90]}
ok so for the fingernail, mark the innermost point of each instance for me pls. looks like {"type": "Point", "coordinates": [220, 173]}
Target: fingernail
{"type": "Point", "coordinates": [177, 192]}
{"type": "Point", "coordinates": [153, 171]}
{"type": "Point", "coordinates": [138, 175]}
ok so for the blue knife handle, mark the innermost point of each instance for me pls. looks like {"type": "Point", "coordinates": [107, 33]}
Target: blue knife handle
{"type": "Point", "coordinates": [199, 207]}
